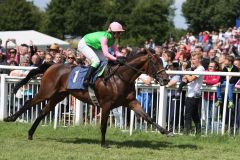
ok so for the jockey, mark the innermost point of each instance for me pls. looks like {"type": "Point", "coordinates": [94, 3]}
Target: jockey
{"type": "Point", "coordinates": [94, 46]}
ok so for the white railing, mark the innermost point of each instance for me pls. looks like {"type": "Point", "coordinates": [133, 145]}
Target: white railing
{"type": "Point", "coordinates": [74, 112]}
{"type": "Point", "coordinates": [227, 74]}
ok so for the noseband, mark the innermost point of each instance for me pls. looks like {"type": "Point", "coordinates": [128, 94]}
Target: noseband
{"type": "Point", "coordinates": [155, 69]}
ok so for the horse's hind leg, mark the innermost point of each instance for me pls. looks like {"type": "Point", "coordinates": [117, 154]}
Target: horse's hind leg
{"type": "Point", "coordinates": [31, 74]}
{"type": "Point", "coordinates": [27, 105]}
{"type": "Point", "coordinates": [136, 107]}
{"type": "Point", "coordinates": [49, 106]}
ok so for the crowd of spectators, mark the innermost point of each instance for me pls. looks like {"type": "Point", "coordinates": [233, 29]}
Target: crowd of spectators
{"type": "Point", "coordinates": [30, 55]}
{"type": "Point", "coordinates": [220, 51]}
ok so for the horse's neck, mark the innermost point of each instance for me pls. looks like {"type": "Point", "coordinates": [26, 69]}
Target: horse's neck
{"type": "Point", "coordinates": [131, 71]}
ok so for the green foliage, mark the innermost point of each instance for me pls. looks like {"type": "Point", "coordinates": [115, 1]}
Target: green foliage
{"type": "Point", "coordinates": [150, 19]}
{"type": "Point", "coordinates": [19, 15]}
{"type": "Point", "coordinates": [211, 14]}
{"type": "Point", "coordinates": [55, 19]}
{"type": "Point", "coordinates": [84, 16]}
{"type": "Point", "coordinates": [141, 19]}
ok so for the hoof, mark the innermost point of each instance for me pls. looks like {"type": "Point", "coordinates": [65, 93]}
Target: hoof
{"type": "Point", "coordinates": [170, 134]}
{"type": "Point", "coordinates": [8, 119]}
{"type": "Point", "coordinates": [105, 146]}
{"type": "Point", "coordinates": [30, 137]}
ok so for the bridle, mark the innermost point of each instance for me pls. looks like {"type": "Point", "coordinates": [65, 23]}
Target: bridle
{"type": "Point", "coordinates": [156, 73]}
{"type": "Point", "coordinates": [151, 64]}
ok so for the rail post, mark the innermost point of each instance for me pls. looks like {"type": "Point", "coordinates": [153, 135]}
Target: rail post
{"type": "Point", "coordinates": [225, 104]}
{"type": "Point", "coordinates": [162, 108]}
{"type": "Point", "coordinates": [79, 112]}
{"type": "Point", "coordinates": [3, 97]}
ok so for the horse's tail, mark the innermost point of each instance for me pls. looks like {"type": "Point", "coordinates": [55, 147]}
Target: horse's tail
{"type": "Point", "coordinates": [40, 70]}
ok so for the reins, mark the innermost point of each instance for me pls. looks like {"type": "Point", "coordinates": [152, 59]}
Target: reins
{"type": "Point", "coordinates": [150, 63]}
{"type": "Point", "coordinates": [111, 73]}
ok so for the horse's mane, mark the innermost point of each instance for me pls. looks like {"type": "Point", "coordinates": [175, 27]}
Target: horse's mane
{"type": "Point", "coordinates": [135, 55]}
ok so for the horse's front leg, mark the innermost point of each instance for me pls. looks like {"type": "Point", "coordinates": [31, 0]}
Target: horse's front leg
{"type": "Point", "coordinates": [137, 108]}
{"type": "Point", "coordinates": [104, 120]}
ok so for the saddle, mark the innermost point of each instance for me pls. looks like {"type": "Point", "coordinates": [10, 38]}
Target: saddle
{"type": "Point", "coordinates": [76, 77]}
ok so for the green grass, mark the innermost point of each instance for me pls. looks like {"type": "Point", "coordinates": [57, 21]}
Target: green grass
{"type": "Point", "coordinates": [84, 143]}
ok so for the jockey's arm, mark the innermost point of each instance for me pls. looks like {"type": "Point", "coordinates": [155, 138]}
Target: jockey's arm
{"type": "Point", "coordinates": [104, 46]}
{"type": "Point", "coordinates": [116, 51]}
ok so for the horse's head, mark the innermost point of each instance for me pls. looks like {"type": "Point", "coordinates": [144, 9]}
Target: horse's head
{"type": "Point", "coordinates": [154, 67]}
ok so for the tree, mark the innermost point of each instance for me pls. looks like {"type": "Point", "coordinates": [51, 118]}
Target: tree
{"type": "Point", "coordinates": [86, 16]}
{"type": "Point", "coordinates": [56, 18]}
{"type": "Point", "coordinates": [141, 19]}
{"type": "Point", "coordinates": [210, 14]}
{"type": "Point", "coordinates": [150, 19]}
{"type": "Point", "coordinates": [19, 15]}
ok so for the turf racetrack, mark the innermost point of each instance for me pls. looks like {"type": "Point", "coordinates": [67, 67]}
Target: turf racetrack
{"type": "Point", "coordinates": [83, 142]}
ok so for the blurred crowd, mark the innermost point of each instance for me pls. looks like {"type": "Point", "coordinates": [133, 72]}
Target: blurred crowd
{"type": "Point", "coordinates": [213, 45]}
{"type": "Point", "coordinates": [30, 55]}
{"type": "Point", "coordinates": [216, 51]}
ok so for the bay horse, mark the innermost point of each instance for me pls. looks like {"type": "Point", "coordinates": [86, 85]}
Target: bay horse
{"type": "Point", "coordinates": [118, 90]}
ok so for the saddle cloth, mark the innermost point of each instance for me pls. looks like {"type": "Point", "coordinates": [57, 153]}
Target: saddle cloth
{"type": "Point", "coordinates": [76, 77]}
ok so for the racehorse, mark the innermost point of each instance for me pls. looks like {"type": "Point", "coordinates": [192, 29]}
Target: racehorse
{"type": "Point", "coordinates": [117, 90]}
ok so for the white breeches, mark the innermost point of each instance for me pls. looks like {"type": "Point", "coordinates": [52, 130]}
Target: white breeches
{"type": "Point", "coordinates": [93, 55]}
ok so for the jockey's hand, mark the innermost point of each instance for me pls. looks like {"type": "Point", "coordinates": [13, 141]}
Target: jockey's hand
{"type": "Point", "coordinates": [121, 60]}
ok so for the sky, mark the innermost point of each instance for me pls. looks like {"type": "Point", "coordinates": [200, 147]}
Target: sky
{"type": "Point", "coordinates": [179, 20]}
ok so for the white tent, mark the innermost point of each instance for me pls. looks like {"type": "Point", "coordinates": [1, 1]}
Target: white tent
{"type": "Point", "coordinates": [39, 39]}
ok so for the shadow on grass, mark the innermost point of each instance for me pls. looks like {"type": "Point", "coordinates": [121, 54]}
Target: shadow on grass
{"type": "Point", "coordinates": [135, 144]}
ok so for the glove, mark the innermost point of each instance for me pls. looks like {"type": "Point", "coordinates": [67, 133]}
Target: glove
{"type": "Point", "coordinates": [121, 60]}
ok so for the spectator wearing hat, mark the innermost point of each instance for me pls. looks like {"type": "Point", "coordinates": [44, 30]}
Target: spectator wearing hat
{"type": "Point", "coordinates": [53, 49]}
{"type": "Point", "coordinates": [12, 54]}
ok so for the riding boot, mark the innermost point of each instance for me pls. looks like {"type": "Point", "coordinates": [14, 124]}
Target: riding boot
{"type": "Point", "coordinates": [198, 129]}
{"type": "Point", "coordinates": [88, 76]}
